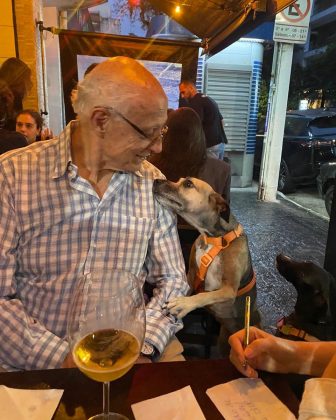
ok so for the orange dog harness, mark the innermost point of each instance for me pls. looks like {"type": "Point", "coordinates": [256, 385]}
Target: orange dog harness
{"type": "Point", "coordinates": [219, 243]}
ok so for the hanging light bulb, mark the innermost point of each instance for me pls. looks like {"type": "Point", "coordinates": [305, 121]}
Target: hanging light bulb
{"type": "Point", "coordinates": [177, 9]}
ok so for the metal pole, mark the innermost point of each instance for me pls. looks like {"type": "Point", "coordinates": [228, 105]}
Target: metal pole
{"type": "Point", "coordinates": [44, 87]}
{"type": "Point", "coordinates": [277, 106]}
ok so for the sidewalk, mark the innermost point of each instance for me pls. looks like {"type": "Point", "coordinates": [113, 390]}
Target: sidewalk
{"type": "Point", "coordinates": [272, 228]}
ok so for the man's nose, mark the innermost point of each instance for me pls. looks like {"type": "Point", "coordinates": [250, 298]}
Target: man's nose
{"type": "Point", "coordinates": [156, 147]}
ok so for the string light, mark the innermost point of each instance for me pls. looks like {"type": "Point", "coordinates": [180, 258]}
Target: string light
{"type": "Point", "coordinates": [178, 9]}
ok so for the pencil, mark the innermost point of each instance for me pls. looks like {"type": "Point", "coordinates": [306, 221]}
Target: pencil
{"type": "Point", "coordinates": [247, 321]}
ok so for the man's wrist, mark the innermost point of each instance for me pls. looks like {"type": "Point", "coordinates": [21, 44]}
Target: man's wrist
{"type": "Point", "coordinates": [150, 351]}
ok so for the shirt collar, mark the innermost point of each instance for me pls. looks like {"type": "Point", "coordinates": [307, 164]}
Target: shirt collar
{"type": "Point", "coordinates": [63, 155]}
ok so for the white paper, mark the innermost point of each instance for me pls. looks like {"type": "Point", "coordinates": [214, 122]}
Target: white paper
{"type": "Point", "coordinates": [177, 405]}
{"type": "Point", "coordinates": [26, 404]}
{"type": "Point", "coordinates": [248, 399]}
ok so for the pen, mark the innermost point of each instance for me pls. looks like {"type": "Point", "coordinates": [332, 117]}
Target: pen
{"type": "Point", "coordinates": [247, 321]}
{"type": "Point", "coordinates": [247, 325]}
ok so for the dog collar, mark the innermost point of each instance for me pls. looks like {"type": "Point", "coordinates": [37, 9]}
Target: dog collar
{"type": "Point", "coordinates": [289, 329]}
{"type": "Point", "coordinates": [218, 244]}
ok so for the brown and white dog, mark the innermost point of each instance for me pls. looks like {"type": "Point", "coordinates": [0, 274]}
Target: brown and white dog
{"type": "Point", "coordinates": [229, 277]}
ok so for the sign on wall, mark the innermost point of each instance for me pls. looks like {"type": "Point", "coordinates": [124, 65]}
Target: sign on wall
{"type": "Point", "coordinates": [291, 25]}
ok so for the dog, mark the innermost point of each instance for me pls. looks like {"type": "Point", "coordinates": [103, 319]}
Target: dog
{"type": "Point", "coordinates": [314, 316]}
{"type": "Point", "coordinates": [229, 277]}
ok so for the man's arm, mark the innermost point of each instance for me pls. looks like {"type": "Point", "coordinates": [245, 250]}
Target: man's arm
{"type": "Point", "coordinates": [25, 343]}
{"type": "Point", "coordinates": [166, 270]}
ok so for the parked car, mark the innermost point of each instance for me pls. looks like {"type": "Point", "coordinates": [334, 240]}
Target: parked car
{"type": "Point", "coordinates": [309, 141]}
{"type": "Point", "coordinates": [326, 183]}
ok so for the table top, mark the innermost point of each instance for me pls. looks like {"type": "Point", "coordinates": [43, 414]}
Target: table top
{"type": "Point", "coordinates": [82, 396]}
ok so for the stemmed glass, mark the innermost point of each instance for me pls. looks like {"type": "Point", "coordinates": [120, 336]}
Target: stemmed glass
{"type": "Point", "coordinates": [106, 328]}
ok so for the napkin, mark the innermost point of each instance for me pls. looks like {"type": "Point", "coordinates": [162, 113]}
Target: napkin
{"type": "Point", "coordinates": [177, 405]}
{"type": "Point", "coordinates": [26, 404]}
{"type": "Point", "coordinates": [248, 399]}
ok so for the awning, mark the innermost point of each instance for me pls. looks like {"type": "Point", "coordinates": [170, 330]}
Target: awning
{"type": "Point", "coordinates": [219, 23]}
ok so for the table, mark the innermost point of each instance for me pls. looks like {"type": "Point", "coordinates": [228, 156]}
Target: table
{"type": "Point", "coordinates": [82, 397]}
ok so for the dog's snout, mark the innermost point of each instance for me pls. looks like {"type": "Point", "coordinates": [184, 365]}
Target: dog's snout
{"type": "Point", "coordinates": [282, 258]}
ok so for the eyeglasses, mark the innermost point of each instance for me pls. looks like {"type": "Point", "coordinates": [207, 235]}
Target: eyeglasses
{"type": "Point", "coordinates": [163, 131]}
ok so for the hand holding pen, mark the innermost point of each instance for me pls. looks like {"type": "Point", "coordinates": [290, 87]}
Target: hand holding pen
{"type": "Point", "coordinates": [263, 351]}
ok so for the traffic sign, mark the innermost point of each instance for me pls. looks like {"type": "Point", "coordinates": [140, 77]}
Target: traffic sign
{"type": "Point", "coordinates": [291, 25]}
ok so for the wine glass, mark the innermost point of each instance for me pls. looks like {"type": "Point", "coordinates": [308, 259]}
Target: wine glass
{"type": "Point", "coordinates": [106, 328]}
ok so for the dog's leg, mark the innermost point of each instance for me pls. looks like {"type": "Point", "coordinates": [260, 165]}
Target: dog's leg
{"type": "Point", "coordinates": [181, 306]}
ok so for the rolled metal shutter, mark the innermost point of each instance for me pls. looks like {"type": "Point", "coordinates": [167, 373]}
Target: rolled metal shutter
{"type": "Point", "coordinates": [231, 90]}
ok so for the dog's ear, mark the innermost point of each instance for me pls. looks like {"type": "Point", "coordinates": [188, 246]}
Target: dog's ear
{"type": "Point", "coordinates": [220, 205]}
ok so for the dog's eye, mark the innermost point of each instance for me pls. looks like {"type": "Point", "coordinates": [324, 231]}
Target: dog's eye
{"type": "Point", "coordinates": [188, 184]}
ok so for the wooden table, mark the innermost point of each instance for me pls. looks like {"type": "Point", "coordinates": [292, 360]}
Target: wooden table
{"type": "Point", "coordinates": [82, 397]}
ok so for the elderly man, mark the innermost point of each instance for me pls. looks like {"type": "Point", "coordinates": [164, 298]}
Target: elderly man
{"type": "Point", "coordinates": [82, 202]}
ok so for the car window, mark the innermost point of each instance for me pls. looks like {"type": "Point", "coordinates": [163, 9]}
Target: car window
{"type": "Point", "coordinates": [296, 126]}
{"type": "Point", "coordinates": [323, 126]}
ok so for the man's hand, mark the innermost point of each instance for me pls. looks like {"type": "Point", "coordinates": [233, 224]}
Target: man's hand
{"type": "Point", "coordinates": [46, 134]}
{"type": "Point", "coordinates": [143, 359]}
{"type": "Point", "coordinates": [68, 362]}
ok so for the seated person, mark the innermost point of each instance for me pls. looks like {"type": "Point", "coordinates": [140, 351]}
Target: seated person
{"type": "Point", "coordinates": [275, 354]}
{"type": "Point", "coordinates": [184, 153]}
{"type": "Point", "coordinates": [83, 202]}
{"type": "Point", "coordinates": [17, 75]}
{"type": "Point", "coordinates": [30, 124]}
{"type": "Point", "coordinates": [8, 139]}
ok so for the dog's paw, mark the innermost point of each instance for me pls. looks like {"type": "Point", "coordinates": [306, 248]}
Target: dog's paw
{"type": "Point", "coordinates": [180, 306]}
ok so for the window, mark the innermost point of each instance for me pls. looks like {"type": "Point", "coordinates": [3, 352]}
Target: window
{"type": "Point", "coordinates": [296, 126]}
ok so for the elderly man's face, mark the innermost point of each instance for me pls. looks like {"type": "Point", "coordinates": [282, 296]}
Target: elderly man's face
{"type": "Point", "coordinates": [131, 138]}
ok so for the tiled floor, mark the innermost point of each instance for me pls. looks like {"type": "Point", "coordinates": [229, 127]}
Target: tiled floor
{"type": "Point", "coordinates": [274, 228]}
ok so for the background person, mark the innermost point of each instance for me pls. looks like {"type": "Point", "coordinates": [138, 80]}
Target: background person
{"type": "Point", "coordinates": [184, 153]}
{"type": "Point", "coordinates": [17, 75]}
{"type": "Point", "coordinates": [82, 202]}
{"type": "Point", "coordinates": [9, 140]}
{"type": "Point", "coordinates": [212, 119]}
{"type": "Point", "coordinates": [30, 124]}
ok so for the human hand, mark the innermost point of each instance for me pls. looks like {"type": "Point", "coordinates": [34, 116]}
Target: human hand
{"type": "Point", "coordinates": [143, 359]}
{"type": "Point", "coordinates": [68, 362]}
{"type": "Point", "coordinates": [330, 370]}
{"type": "Point", "coordinates": [46, 134]}
{"type": "Point", "coordinates": [265, 352]}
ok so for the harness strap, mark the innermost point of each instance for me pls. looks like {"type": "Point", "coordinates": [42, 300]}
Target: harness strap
{"type": "Point", "coordinates": [218, 244]}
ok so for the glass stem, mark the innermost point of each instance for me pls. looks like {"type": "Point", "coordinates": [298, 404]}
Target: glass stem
{"type": "Point", "coordinates": [106, 400]}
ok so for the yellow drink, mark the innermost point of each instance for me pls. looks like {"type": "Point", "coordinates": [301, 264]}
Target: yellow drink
{"type": "Point", "coordinates": [106, 355]}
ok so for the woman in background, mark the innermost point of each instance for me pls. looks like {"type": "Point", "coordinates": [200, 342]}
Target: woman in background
{"type": "Point", "coordinates": [184, 153]}
{"type": "Point", "coordinates": [9, 140]}
{"type": "Point", "coordinates": [17, 75]}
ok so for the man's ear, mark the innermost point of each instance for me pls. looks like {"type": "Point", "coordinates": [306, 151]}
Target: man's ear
{"type": "Point", "coordinates": [99, 119]}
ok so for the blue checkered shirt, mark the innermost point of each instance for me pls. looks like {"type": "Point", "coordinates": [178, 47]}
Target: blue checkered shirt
{"type": "Point", "coordinates": [54, 226]}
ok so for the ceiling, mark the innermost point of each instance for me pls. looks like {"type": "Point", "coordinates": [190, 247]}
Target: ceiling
{"type": "Point", "coordinates": [220, 22]}
{"type": "Point", "coordinates": [71, 4]}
